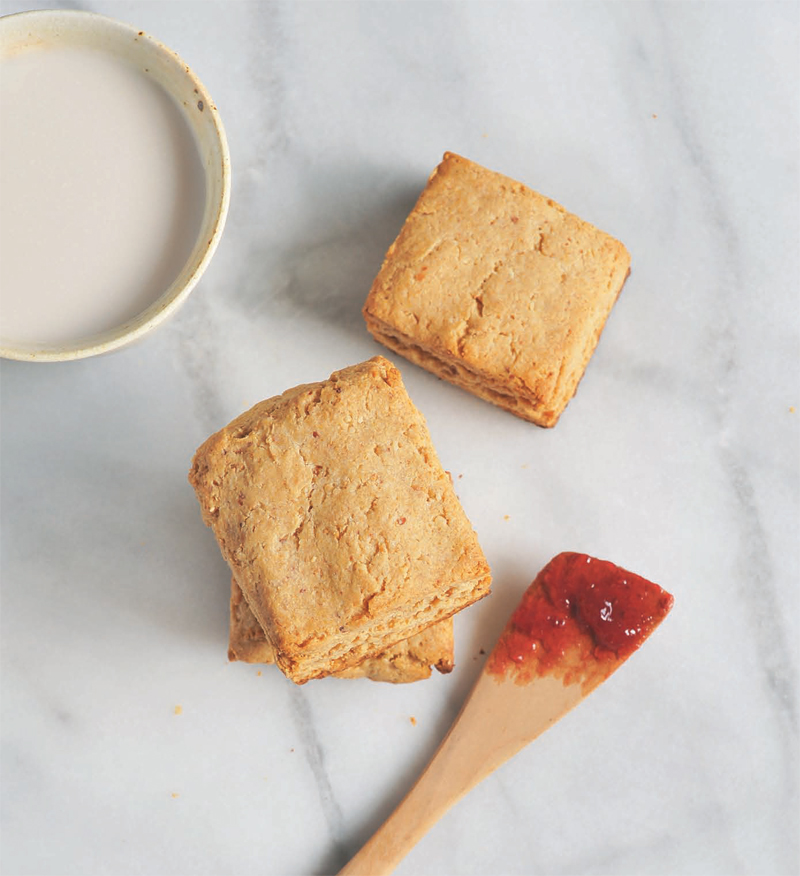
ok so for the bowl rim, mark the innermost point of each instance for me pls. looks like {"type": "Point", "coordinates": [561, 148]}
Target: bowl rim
{"type": "Point", "coordinates": [205, 246]}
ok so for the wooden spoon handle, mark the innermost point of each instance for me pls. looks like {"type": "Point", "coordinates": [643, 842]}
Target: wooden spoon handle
{"type": "Point", "coordinates": [497, 720]}
{"type": "Point", "coordinates": [436, 790]}
{"type": "Point", "coordinates": [398, 834]}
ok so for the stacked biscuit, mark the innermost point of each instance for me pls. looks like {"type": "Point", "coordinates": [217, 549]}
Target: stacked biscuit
{"type": "Point", "coordinates": [349, 550]}
{"type": "Point", "coordinates": [409, 660]}
{"type": "Point", "coordinates": [342, 530]}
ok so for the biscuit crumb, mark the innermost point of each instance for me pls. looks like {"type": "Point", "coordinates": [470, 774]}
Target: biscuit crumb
{"type": "Point", "coordinates": [413, 720]}
{"type": "Point", "coordinates": [525, 465]}
{"type": "Point", "coordinates": [178, 710]}
{"type": "Point", "coordinates": [482, 651]}
{"type": "Point", "coordinates": [291, 751]}
{"type": "Point", "coordinates": [655, 116]}
{"type": "Point", "coordinates": [791, 409]}
{"type": "Point", "coordinates": [506, 517]}
{"type": "Point", "coordinates": [460, 476]}
{"type": "Point", "coordinates": [259, 672]}
{"type": "Point", "coordinates": [174, 795]}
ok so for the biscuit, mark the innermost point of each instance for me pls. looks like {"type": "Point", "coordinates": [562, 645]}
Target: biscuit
{"type": "Point", "coordinates": [338, 522]}
{"type": "Point", "coordinates": [497, 289]}
{"type": "Point", "coordinates": [406, 661]}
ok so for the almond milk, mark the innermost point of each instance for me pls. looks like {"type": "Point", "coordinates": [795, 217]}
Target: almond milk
{"type": "Point", "coordinates": [101, 193]}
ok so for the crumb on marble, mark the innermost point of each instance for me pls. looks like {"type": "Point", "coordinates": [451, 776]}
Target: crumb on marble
{"type": "Point", "coordinates": [655, 116]}
{"type": "Point", "coordinates": [259, 672]}
{"type": "Point", "coordinates": [413, 720]}
{"type": "Point", "coordinates": [506, 517]}
{"type": "Point", "coordinates": [178, 710]}
{"type": "Point", "coordinates": [482, 651]}
{"type": "Point", "coordinates": [175, 796]}
{"type": "Point", "coordinates": [791, 409]}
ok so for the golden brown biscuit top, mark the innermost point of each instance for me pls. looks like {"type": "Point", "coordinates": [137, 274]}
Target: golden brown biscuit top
{"type": "Point", "coordinates": [490, 272]}
{"type": "Point", "coordinates": [332, 499]}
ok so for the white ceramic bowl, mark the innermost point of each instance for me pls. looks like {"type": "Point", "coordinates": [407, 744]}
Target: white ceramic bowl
{"type": "Point", "coordinates": [61, 27]}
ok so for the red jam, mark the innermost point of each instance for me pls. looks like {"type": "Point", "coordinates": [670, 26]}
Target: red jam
{"type": "Point", "coordinates": [579, 613]}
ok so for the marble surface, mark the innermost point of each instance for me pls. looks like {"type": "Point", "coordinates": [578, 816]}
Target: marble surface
{"type": "Point", "coordinates": [674, 127]}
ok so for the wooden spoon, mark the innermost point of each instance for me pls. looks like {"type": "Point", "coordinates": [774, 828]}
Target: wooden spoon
{"type": "Point", "coordinates": [577, 623]}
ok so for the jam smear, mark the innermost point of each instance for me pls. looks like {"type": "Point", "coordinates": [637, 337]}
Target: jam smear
{"type": "Point", "coordinates": [581, 617]}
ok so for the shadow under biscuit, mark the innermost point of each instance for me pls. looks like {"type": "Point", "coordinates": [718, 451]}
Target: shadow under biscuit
{"type": "Point", "coordinates": [326, 274]}
{"type": "Point", "coordinates": [510, 580]}
{"type": "Point", "coordinates": [178, 589]}
{"type": "Point", "coordinates": [202, 609]}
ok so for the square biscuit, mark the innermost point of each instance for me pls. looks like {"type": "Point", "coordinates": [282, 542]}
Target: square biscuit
{"type": "Point", "coordinates": [338, 521]}
{"type": "Point", "coordinates": [404, 662]}
{"type": "Point", "coordinates": [497, 289]}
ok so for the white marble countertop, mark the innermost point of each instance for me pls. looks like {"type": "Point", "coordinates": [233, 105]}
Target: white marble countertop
{"type": "Point", "coordinates": [675, 128]}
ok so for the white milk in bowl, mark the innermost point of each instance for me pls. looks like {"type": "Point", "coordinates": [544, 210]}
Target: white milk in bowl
{"type": "Point", "coordinates": [102, 193]}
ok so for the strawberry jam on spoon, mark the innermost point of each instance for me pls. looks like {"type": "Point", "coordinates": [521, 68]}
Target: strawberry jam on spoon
{"type": "Point", "coordinates": [579, 619]}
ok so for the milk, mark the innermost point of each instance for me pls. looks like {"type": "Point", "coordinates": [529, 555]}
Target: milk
{"type": "Point", "coordinates": [101, 193]}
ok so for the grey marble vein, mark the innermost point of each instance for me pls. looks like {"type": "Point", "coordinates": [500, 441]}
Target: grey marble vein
{"type": "Point", "coordinates": [338, 853]}
{"type": "Point", "coordinates": [756, 580]}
